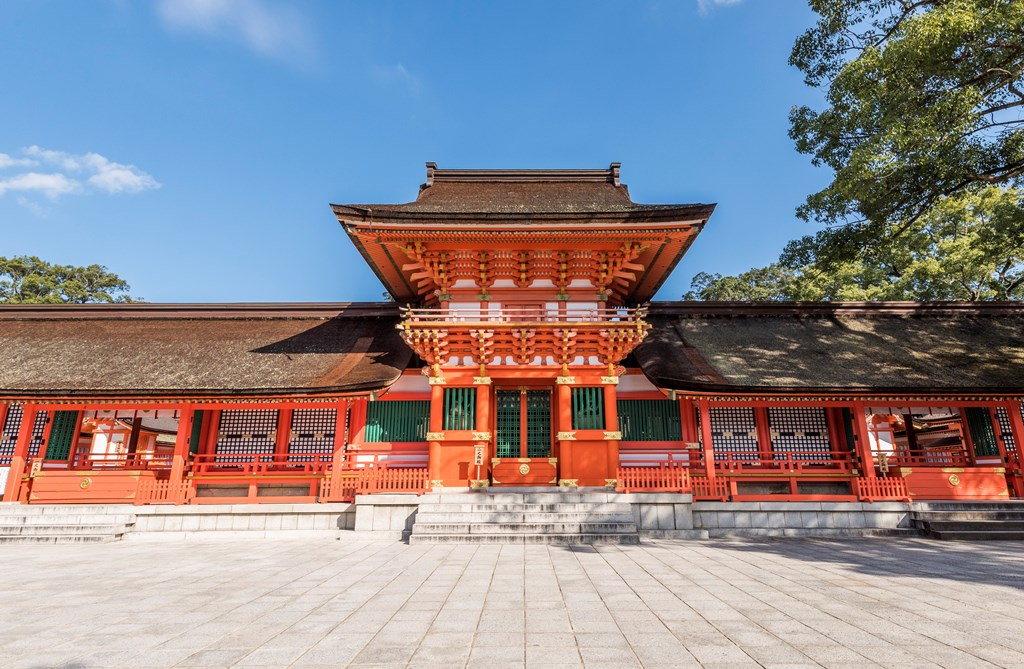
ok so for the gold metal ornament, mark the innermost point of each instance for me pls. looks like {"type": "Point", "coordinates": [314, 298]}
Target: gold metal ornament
{"type": "Point", "coordinates": [524, 469]}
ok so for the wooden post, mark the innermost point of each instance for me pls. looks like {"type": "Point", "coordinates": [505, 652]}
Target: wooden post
{"type": "Point", "coordinates": [1013, 410]}
{"type": "Point", "coordinates": [20, 456]}
{"type": "Point", "coordinates": [565, 448]}
{"type": "Point", "coordinates": [283, 437]}
{"type": "Point", "coordinates": [181, 445]}
{"type": "Point", "coordinates": [863, 440]}
{"type": "Point", "coordinates": [705, 430]}
{"type": "Point", "coordinates": [611, 424]}
{"type": "Point", "coordinates": [764, 434]}
{"type": "Point", "coordinates": [435, 465]}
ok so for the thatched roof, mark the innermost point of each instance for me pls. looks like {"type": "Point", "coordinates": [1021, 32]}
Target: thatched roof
{"type": "Point", "coordinates": [772, 348]}
{"type": "Point", "coordinates": [198, 350]}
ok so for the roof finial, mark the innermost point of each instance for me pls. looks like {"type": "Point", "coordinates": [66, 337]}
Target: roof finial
{"type": "Point", "coordinates": [430, 173]}
{"type": "Point", "coordinates": [614, 169]}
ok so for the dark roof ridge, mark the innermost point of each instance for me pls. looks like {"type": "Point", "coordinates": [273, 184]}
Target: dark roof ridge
{"type": "Point", "coordinates": [200, 310]}
{"type": "Point", "coordinates": [892, 308]}
{"type": "Point", "coordinates": [609, 175]}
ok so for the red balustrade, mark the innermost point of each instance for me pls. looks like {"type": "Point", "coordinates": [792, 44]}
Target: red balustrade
{"type": "Point", "coordinates": [665, 477]}
{"type": "Point", "coordinates": [881, 489]}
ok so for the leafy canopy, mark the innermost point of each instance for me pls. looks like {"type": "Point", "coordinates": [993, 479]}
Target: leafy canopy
{"type": "Point", "coordinates": [29, 280]}
{"type": "Point", "coordinates": [924, 101]}
{"type": "Point", "coordinates": [966, 247]}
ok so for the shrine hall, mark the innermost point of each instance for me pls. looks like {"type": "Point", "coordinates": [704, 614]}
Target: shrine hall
{"type": "Point", "coordinates": [521, 349]}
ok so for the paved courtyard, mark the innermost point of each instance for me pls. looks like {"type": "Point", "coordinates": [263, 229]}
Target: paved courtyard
{"type": "Point", "coordinates": [319, 603]}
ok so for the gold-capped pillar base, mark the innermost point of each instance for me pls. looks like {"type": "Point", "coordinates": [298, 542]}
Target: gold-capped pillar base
{"type": "Point", "coordinates": [568, 483]}
{"type": "Point", "coordinates": [479, 483]}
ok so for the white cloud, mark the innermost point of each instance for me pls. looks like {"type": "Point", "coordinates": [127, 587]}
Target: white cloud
{"type": "Point", "coordinates": [7, 161]}
{"type": "Point", "coordinates": [51, 185]}
{"type": "Point", "coordinates": [71, 174]}
{"type": "Point", "coordinates": [275, 30]}
{"type": "Point", "coordinates": [705, 6]}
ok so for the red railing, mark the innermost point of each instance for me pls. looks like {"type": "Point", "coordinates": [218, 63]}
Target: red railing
{"type": "Point", "coordinates": [384, 479]}
{"type": "Point", "coordinates": [156, 491]}
{"type": "Point", "coordinates": [86, 460]}
{"type": "Point", "coordinates": [260, 463]}
{"type": "Point", "coordinates": [705, 489]}
{"type": "Point", "coordinates": [951, 456]}
{"type": "Point", "coordinates": [878, 489]}
{"type": "Point", "coordinates": [784, 460]}
{"type": "Point", "coordinates": [665, 477]}
{"type": "Point", "coordinates": [499, 317]}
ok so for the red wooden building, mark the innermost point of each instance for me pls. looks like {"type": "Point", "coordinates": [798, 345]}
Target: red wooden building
{"type": "Point", "coordinates": [522, 349]}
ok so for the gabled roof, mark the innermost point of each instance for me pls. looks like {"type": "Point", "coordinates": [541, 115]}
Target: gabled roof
{"type": "Point", "coordinates": [168, 350]}
{"type": "Point", "coordinates": [835, 348]}
{"type": "Point", "coordinates": [498, 194]}
{"type": "Point", "coordinates": [521, 209]}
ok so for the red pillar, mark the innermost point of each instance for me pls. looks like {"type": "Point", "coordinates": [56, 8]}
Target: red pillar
{"type": "Point", "coordinates": [705, 430]}
{"type": "Point", "coordinates": [565, 450]}
{"type": "Point", "coordinates": [20, 457]}
{"type": "Point", "coordinates": [178, 460]}
{"type": "Point", "coordinates": [483, 424]}
{"type": "Point", "coordinates": [436, 455]}
{"type": "Point", "coordinates": [611, 419]}
{"type": "Point", "coordinates": [863, 440]}
{"type": "Point", "coordinates": [1013, 410]}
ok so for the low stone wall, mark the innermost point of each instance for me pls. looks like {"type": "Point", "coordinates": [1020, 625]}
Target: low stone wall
{"type": "Point", "coordinates": [802, 519]}
{"type": "Point", "coordinates": [232, 521]}
{"type": "Point", "coordinates": [663, 515]}
{"type": "Point", "coordinates": [387, 516]}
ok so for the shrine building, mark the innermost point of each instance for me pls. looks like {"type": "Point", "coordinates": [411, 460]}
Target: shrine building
{"type": "Point", "coordinates": [522, 348]}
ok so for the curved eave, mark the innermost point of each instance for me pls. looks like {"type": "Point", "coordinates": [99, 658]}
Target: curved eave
{"type": "Point", "coordinates": [688, 214]}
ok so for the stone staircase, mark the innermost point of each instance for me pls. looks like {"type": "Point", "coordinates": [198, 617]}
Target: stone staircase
{"type": "Point", "coordinates": [64, 523]}
{"type": "Point", "coordinates": [524, 515]}
{"type": "Point", "coordinates": [976, 521]}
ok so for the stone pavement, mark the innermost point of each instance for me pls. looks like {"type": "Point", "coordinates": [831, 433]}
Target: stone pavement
{"type": "Point", "coordinates": [317, 603]}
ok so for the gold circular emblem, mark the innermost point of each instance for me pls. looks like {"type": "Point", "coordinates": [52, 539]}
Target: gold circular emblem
{"type": "Point", "coordinates": [954, 480]}
{"type": "Point", "coordinates": [85, 483]}
{"type": "Point", "coordinates": [524, 469]}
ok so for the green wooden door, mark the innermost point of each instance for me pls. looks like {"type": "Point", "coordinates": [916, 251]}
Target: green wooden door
{"type": "Point", "coordinates": [522, 424]}
{"type": "Point", "coordinates": [62, 435]}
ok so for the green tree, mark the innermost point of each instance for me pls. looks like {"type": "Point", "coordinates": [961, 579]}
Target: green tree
{"type": "Point", "coordinates": [924, 100]}
{"type": "Point", "coordinates": [965, 247]}
{"type": "Point", "coordinates": [29, 280]}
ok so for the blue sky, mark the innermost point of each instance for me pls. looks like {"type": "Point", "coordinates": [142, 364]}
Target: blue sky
{"type": "Point", "coordinates": [193, 146]}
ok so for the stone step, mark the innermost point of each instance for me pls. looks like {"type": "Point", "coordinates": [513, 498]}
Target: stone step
{"type": "Point", "coordinates": [513, 517]}
{"type": "Point", "coordinates": [58, 538]}
{"type": "Point", "coordinates": [62, 519]}
{"type": "Point", "coordinates": [59, 529]}
{"type": "Point", "coordinates": [16, 509]}
{"type": "Point", "coordinates": [524, 528]}
{"type": "Point", "coordinates": [987, 525]}
{"type": "Point", "coordinates": [562, 539]}
{"type": "Point", "coordinates": [969, 506]}
{"type": "Point", "coordinates": [1010, 516]}
{"type": "Point", "coordinates": [604, 507]}
{"type": "Point", "coordinates": [978, 535]}
{"type": "Point", "coordinates": [519, 498]}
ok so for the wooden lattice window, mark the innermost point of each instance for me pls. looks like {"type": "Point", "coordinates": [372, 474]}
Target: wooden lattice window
{"type": "Point", "coordinates": [397, 420]}
{"type": "Point", "coordinates": [734, 432]}
{"type": "Point", "coordinates": [649, 420]}
{"type": "Point", "coordinates": [460, 408]}
{"type": "Point", "coordinates": [1005, 429]}
{"type": "Point", "coordinates": [246, 432]}
{"type": "Point", "coordinates": [588, 408]}
{"type": "Point", "coordinates": [801, 432]}
{"type": "Point", "coordinates": [312, 433]}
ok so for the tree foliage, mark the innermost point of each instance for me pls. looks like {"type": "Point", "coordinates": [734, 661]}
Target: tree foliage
{"type": "Point", "coordinates": [924, 101]}
{"type": "Point", "coordinates": [29, 280]}
{"type": "Point", "coordinates": [965, 247]}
